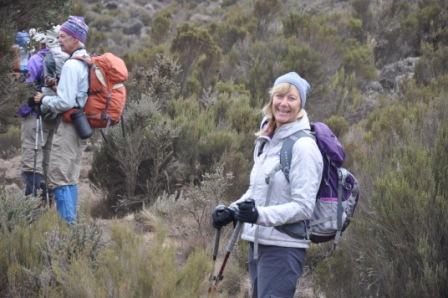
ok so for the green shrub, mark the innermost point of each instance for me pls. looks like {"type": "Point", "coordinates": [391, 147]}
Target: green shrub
{"type": "Point", "coordinates": [103, 22]}
{"type": "Point", "coordinates": [403, 204]}
{"type": "Point", "coordinates": [50, 258]}
{"type": "Point", "coordinates": [359, 60]}
{"type": "Point", "coordinates": [10, 142]}
{"type": "Point", "coordinates": [338, 125]}
{"type": "Point", "coordinates": [16, 209]}
{"type": "Point", "coordinates": [363, 11]}
{"type": "Point", "coordinates": [160, 27]}
{"type": "Point", "coordinates": [295, 23]}
{"type": "Point", "coordinates": [78, 8]}
{"type": "Point", "coordinates": [195, 47]}
{"type": "Point", "coordinates": [432, 64]}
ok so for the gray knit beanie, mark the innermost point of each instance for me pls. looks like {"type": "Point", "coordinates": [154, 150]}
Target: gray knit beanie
{"type": "Point", "coordinates": [301, 84]}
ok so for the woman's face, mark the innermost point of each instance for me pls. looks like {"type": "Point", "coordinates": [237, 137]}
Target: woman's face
{"type": "Point", "coordinates": [286, 107]}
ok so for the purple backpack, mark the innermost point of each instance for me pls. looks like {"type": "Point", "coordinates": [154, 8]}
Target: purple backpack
{"type": "Point", "coordinates": [338, 192]}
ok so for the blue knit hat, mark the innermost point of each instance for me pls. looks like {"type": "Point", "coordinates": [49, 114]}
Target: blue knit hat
{"type": "Point", "coordinates": [75, 27]}
{"type": "Point", "coordinates": [294, 79]}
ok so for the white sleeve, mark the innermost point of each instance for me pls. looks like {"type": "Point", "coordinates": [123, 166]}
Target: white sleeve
{"type": "Point", "coordinates": [67, 89]}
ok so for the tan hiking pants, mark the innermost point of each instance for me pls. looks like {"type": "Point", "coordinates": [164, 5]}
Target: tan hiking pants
{"type": "Point", "coordinates": [28, 145]}
{"type": "Point", "coordinates": [66, 155]}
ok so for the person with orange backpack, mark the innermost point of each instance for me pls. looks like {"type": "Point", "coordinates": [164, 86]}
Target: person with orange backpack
{"type": "Point", "coordinates": [67, 147]}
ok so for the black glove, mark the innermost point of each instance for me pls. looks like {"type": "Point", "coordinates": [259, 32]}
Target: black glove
{"type": "Point", "coordinates": [247, 212]}
{"type": "Point", "coordinates": [49, 115]}
{"type": "Point", "coordinates": [222, 216]}
{"type": "Point", "coordinates": [30, 102]}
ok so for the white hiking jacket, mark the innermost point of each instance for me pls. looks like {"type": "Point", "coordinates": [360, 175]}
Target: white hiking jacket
{"type": "Point", "coordinates": [72, 87]}
{"type": "Point", "coordinates": [289, 202]}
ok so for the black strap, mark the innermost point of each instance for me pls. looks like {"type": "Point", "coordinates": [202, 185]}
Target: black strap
{"type": "Point", "coordinates": [261, 147]}
{"type": "Point", "coordinates": [75, 52]}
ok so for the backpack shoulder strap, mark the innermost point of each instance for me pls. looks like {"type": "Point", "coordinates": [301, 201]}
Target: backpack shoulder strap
{"type": "Point", "coordinates": [86, 59]}
{"type": "Point", "coordinates": [286, 151]}
{"type": "Point", "coordinates": [261, 147]}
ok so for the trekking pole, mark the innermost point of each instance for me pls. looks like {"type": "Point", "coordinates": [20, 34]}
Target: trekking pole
{"type": "Point", "coordinates": [229, 249]}
{"type": "Point", "coordinates": [215, 252]}
{"type": "Point", "coordinates": [47, 197]}
{"type": "Point", "coordinates": [216, 247]}
{"type": "Point", "coordinates": [36, 140]}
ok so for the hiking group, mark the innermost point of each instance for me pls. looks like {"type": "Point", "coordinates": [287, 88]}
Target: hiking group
{"type": "Point", "coordinates": [298, 193]}
{"type": "Point", "coordinates": [75, 92]}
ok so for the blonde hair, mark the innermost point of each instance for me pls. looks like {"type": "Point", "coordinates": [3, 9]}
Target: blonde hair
{"type": "Point", "coordinates": [271, 126]}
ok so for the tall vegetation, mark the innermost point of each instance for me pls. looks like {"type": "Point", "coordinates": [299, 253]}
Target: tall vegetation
{"type": "Point", "coordinates": [42, 256]}
{"type": "Point", "coordinates": [398, 245]}
{"type": "Point", "coordinates": [17, 16]}
{"type": "Point", "coordinates": [199, 78]}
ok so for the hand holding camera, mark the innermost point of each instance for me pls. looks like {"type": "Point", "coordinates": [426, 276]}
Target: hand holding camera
{"type": "Point", "coordinates": [38, 97]}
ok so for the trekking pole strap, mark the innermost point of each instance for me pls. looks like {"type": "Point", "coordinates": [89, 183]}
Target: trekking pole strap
{"type": "Point", "coordinates": [339, 208]}
{"type": "Point", "coordinates": [340, 194]}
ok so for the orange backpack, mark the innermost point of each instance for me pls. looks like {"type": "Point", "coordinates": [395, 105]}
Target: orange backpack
{"type": "Point", "coordinates": [107, 93]}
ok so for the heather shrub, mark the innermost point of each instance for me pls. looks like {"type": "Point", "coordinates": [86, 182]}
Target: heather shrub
{"type": "Point", "coordinates": [43, 256]}
{"type": "Point", "coordinates": [338, 125]}
{"type": "Point", "coordinates": [141, 153]}
{"type": "Point", "coordinates": [160, 27]}
{"type": "Point", "coordinates": [16, 209]}
{"type": "Point", "coordinates": [10, 142]}
{"type": "Point", "coordinates": [402, 208]}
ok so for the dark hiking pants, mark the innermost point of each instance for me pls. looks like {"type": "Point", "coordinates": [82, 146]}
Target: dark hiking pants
{"type": "Point", "coordinates": [276, 272]}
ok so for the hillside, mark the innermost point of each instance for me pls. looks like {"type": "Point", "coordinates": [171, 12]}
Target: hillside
{"type": "Point", "coordinates": [199, 75]}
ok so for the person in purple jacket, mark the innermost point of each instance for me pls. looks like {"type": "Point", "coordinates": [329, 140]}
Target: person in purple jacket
{"type": "Point", "coordinates": [32, 157]}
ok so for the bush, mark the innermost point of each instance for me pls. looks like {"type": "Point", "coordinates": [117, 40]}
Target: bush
{"type": "Point", "coordinates": [16, 209]}
{"type": "Point", "coordinates": [358, 59]}
{"type": "Point", "coordinates": [141, 154]}
{"type": "Point", "coordinates": [10, 142]}
{"type": "Point", "coordinates": [196, 50]}
{"type": "Point", "coordinates": [432, 64]}
{"type": "Point", "coordinates": [160, 27]}
{"type": "Point", "coordinates": [338, 125]}
{"type": "Point", "coordinates": [52, 259]}
{"type": "Point", "coordinates": [403, 205]}
{"type": "Point", "coordinates": [103, 22]}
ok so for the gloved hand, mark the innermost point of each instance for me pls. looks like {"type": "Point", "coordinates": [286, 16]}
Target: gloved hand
{"type": "Point", "coordinates": [247, 212]}
{"type": "Point", "coordinates": [49, 115]}
{"type": "Point", "coordinates": [222, 216]}
{"type": "Point", "coordinates": [31, 102]}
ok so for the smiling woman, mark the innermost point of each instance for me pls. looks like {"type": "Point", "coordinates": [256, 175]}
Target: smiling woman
{"type": "Point", "coordinates": [276, 258]}
{"type": "Point", "coordinates": [285, 104]}
{"type": "Point", "coordinates": [287, 100]}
